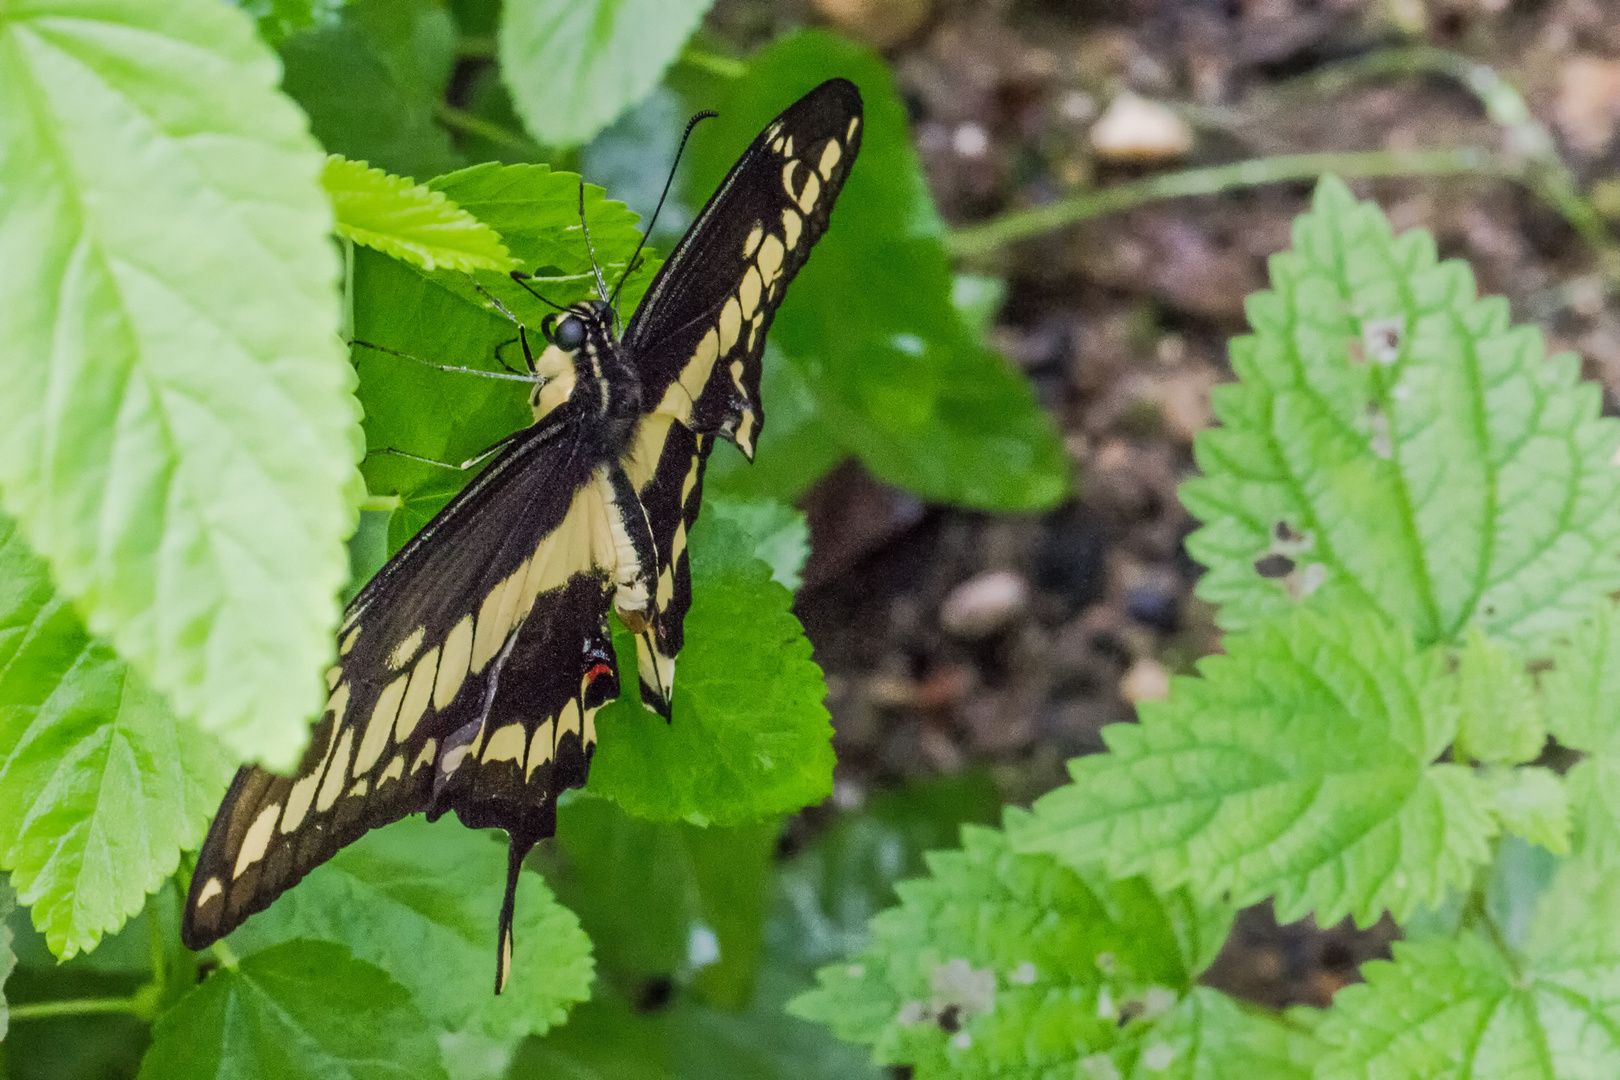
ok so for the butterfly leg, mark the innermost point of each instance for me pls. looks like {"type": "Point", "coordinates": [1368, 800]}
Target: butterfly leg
{"type": "Point", "coordinates": [480, 372]}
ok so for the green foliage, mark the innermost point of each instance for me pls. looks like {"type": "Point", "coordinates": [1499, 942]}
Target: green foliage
{"type": "Point", "coordinates": [1394, 439]}
{"type": "Point", "coordinates": [408, 221]}
{"type": "Point", "coordinates": [8, 959]}
{"type": "Point", "coordinates": [419, 901]}
{"type": "Point", "coordinates": [100, 787]}
{"type": "Point", "coordinates": [1298, 765]}
{"type": "Point", "coordinates": [573, 65]}
{"type": "Point", "coordinates": [189, 480]}
{"type": "Point", "coordinates": [1001, 963]}
{"type": "Point", "coordinates": [870, 362]}
{"type": "Point", "coordinates": [752, 737]}
{"type": "Point", "coordinates": [304, 1008]}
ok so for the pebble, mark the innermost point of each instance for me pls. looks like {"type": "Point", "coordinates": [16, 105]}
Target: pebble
{"type": "Point", "coordinates": [985, 604]}
{"type": "Point", "coordinates": [878, 23]}
{"type": "Point", "coordinates": [1136, 129]}
{"type": "Point", "coordinates": [1147, 680]}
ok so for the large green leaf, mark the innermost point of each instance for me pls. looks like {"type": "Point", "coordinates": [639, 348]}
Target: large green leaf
{"type": "Point", "coordinates": [177, 434]}
{"type": "Point", "coordinates": [408, 221]}
{"type": "Point", "coordinates": [750, 737]}
{"type": "Point", "coordinates": [572, 66]}
{"type": "Point", "coordinates": [1299, 765]}
{"type": "Point", "coordinates": [305, 1009]}
{"type": "Point", "coordinates": [889, 369]}
{"type": "Point", "coordinates": [420, 901]}
{"type": "Point", "coordinates": [1393, 438]}
{"type": "Point", "coordinates": [101, 788]}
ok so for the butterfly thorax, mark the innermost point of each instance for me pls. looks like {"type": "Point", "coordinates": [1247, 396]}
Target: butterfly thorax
{"type": "Point", "coordinates": [586, 365]}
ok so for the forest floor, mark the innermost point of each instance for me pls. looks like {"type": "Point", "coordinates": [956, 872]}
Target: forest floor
{"type": "Point", "coordinates": [956, 641]}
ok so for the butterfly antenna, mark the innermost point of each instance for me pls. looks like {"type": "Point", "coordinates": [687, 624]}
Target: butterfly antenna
{"type": "Point", "coordinates": [668, 181]}
{"type": "Point", "coordinates": [522, 279]}
{"type": "Point", "coordinates": [596, 267]}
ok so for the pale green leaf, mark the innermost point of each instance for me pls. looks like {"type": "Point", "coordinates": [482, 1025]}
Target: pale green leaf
{"type": "Point", "coordinates": [1582, 690]}
{"type": "Point", "coordinates": [1532, 803]}
{"type": "Point", "coordinates": [301, 1011]}
{"type": "Point", "coordinates": [1456, 1009]}
{"type": "Point", "coordinates": [1499, 718]}
{"type": "Point", "coordinates": [1391, 437]}
{"type": "Point", "coordinates": [101, 788]}
{"type": "Point", "coordinates": [1002, 964]}
{"type": "Point", "coordinates": [409, 221]}
{"type": "Point", "coordinates": [420, 902]}
{"type": "Point", "coordinates": [1210, 1035]}
{"type": "Point", "coordinates": [572, 66]}
{"type": "Point", "coordinates": [779, 534]}
{"type": "Point", "coordinates": [1299, 765]}
{"type": "Point", "coordinates": [177, 436]}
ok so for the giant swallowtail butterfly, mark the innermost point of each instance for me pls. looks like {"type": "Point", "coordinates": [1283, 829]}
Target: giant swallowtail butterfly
{"type": "Point", "coordinates": [472, 666]}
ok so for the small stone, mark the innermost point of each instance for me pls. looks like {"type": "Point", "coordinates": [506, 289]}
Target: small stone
{"type": "Point", "coordinates": [879, 23]}
{"type": "Point", "coordinates": [1588, 102]}
{"type": "Point", "coordinates": [1136, 129]}
{"type": "Point", "coordinates": [1147, 680]}
{"type": "Point", "coordinates": [985, 604]}
{"type": "Point", "coordinates": [970, 141]}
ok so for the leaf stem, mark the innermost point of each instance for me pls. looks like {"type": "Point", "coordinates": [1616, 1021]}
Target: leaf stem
{"type": "Point", "coordinates": [472, 124]}
{"type": "Point", "coordinates": [44, 1010]}
{"type": "Point", "coordinates": [724, 67]}
{"type": "Point", "coordinates": [978, 240]}
{"type": "Point", "coordinates": [381, 504]}
{"type": "Point", "coordinates": [222, 952]}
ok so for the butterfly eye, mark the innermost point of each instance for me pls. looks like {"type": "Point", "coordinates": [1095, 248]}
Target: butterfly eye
{"type": "Point", "coordinates": [569, 333]}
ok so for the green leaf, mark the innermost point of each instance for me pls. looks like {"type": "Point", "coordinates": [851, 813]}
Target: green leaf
{"type": "Point", "coordinates": [1209, 1034]}
{"type": "Point", "coordinates": [1500, 716]}
{"type": "Point", "coordinates": [409, 221]}
{"type": "Point", "coordinates": [1298, 765]}
{"type": "Point", "coordinates": [1008, 964]}
{"type": "Point", "coordinates": [1531, 802]}
{"type": "Point", "coordinates": [279, 18]}
{"type": "Point", "coordinates": [572, 66]}
{"type": "Point", "coordinates": [420, 902]}
{"type": "Point", "coordinates": [778, 534]}
{"type": "Point", "coordinates": [178, 433]}
{"type": "Point", "coordinates": [303, 1009]}
{"type": "Point", "coordinates": [1391, 437]}
{"type": "Point", "coordinates": [750, 737]}
{"type": "Point", "coordinates": [8, 959]}
{"type": "Point", "coordinates": [1582, 690]}
{"type": "Point", "coordinates": [372, 82]}
{"type": "Point", "coordinates": [439, 317]}
{"type": "Point", "coordinates": [1457, 1010]}
{"type": "Point", "coordinates": [892, 372]}
{"type": "Point", "coordinates": [100, 787]}
{"type": "Point", "coordinates": [667, 899]}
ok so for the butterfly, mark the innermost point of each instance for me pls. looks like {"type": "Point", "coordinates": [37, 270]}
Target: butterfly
{"type": "Point", "coordinates": [472, 666]}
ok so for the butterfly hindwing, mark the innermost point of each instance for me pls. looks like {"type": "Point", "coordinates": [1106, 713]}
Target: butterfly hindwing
{"type": "Point", "coordinates": [699, 333]}
{"type": "Point", "coordinates": [437, 659]}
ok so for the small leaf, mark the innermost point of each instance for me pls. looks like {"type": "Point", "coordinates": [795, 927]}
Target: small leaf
{"type": "Point", "coordinates": [1500, 718]}
{"type": "Point", "coordinates": [100, 787]}
{"type": "Point", "coordinates": [409, 221]}
{"type": "Point", "coordinates": [779, 534]}
{"type": "Point", "coordinates": [1209, 1034]}
{"type": "Point", "coordinates": [304, 1009]}
{"type": "Point", "coordinates": [572, 66]}
{"type": "Point", "coordinates": [1531, 802]}
{"type": "Point", "coordinates": [1298, 765]}
{"type": "Point", "coordinates": [420, 902]}
{"type": "Point", "coordinates": [1393, 438]}
{"type": "Point", "coordinates": [750, 735]}
{"type": "Point", "coordinates": [177, 434]}
{"type": "Point", "coordinates": [1007, 964]}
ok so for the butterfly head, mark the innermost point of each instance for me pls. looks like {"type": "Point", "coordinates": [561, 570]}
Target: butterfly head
{"type": "Point", "coordinates": [583, 352]}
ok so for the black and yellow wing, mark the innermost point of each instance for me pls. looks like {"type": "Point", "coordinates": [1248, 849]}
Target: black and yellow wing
{"type": "Point", "coordinates": [470, 672]}
{"type": "Point", "coordinates": [699, 334]}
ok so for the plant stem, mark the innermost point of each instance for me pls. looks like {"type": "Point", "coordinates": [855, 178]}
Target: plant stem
{"type": "Point", "coordinates": [44, 1010]}
{"type": "Point", "coordinates": [222, 952]}
{"type": "Point", "coordinates": [382, 504]}
{"type": "Point", "coordinates": [724, 67]}
{"type": "Point", "coordinates": [475, 125]}
{"type": "Point", "coordinates": [978, 240]}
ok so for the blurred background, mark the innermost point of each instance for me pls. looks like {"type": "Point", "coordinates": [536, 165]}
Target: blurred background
{"type": "Point", "coordinates": [1112, 176]}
